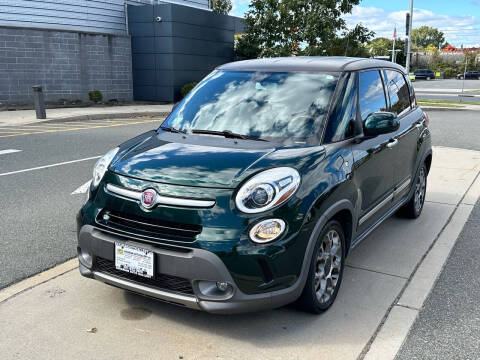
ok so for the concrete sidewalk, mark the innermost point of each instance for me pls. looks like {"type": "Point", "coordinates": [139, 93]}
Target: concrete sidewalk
{"type": "Point", "coordinates": [20, 117]}
{"type": "Point", "coordinates": [58, 314]}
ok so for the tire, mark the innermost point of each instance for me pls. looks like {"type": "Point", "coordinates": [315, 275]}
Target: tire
{"type": "Point", "coordinates": [428, 78]}
{"type": "Point", "coordinates": [324, 259]}
{"type": "Point", "coordinates": [413, 208]}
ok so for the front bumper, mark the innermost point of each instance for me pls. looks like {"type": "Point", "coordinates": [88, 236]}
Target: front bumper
{"type": "Point", "coordinates": [191, 264]}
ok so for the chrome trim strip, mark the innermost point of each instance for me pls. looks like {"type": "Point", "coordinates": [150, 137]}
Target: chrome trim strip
{"type": "Point", "coordinates": [402, 187]}
{"type": "Point", "coordinates": [372, 212]}
{"type": "Point", "coordinates": [188, 301]}
{"type": "Point", "coordinates": [160, 200]}
{"type": "Point", "coordinates": [123, 192]}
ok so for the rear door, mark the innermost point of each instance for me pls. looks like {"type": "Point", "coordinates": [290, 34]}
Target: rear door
{"type": "Point", "coordinates": [407, 136]}
{"type": "Point", "coordinates": [373, 159]}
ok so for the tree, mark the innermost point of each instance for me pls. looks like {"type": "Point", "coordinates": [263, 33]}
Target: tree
{"type": "Point", "coordinates": [221, 6]}
{"type": "Point", "coordinates": [383, 47]}
{"type": "Point", "coordinates": [425, 36]}
{"type": "Point", "coordinates": [300, 27]}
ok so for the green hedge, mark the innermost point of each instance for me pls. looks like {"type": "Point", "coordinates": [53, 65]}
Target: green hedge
{"type": "Point", "coordinates": [187, 88]}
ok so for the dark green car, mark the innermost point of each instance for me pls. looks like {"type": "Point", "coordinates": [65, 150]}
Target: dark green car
{"type": "Point", "coordinates": [255, 188]}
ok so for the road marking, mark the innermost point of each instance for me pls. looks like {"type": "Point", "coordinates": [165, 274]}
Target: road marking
{"type": "Point", "coordinates": [9, 151]}
{"type": "Point", "coordinates": [82, 189]}
{"type": "Point", "coordinates": [33, 131]}
{"type": "Point", "coordinates": [49, 166]}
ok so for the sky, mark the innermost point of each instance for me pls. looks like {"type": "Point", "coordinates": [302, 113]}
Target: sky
{"type": "Point", "coordinates": [459, 19]}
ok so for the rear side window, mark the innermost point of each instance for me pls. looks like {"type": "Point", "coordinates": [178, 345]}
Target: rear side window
{"type": "Point", "coordinates": [340, 125]}
{"type": "Point", "coordinates": [398, 91]}
{"type": "Point", "coordinates": [372, 95]}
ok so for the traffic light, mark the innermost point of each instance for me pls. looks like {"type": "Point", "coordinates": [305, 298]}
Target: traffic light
{"type": "Point", "coordinates": [407, 24]}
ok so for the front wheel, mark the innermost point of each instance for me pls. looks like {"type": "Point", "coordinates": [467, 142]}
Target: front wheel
{"type": "Point", "coordinates": [326, 270]}
{"type": "Point", "coordinates": [413, 208]}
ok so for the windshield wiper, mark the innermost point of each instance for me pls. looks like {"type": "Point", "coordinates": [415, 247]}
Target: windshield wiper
{"type": "Point", "coordinates": [172, 130]}
{"type": "Point", "coordinates": [228, 134]}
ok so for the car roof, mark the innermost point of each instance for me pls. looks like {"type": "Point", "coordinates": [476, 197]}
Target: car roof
{"type": "Point", "coordinates": [310, 63]}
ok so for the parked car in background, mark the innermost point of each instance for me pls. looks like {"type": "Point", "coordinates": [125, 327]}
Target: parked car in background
{"type": "Point", "coordinates": [424, 74]}
{"type": "Point", "coordinates": [252, 192]}
{"type": "Point", "coordinates": [474, 75]}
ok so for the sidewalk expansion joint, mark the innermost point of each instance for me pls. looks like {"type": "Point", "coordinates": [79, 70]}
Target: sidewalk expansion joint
{"type": "Point", "coordinates": [375, 271]}
{"type": "Point", "coordinates": [408, 307]}
{"type": "Point", "coordinates": [368, 345]}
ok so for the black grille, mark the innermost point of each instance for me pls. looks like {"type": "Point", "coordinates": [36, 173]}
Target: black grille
{"type": "Point", "coordinates": [160, 281]}
{"type": "Point", "coordinates": [148, 227]}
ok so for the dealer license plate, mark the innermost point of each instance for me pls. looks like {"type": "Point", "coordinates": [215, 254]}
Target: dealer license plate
{"type": "Point", "coordinates": [134, 260]}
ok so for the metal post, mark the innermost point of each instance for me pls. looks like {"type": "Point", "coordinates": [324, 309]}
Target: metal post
{"type": "Point", "coordinates": [464, 73]}
{"type": "Point", "coordinates": [409, 47]}
{"type": "Point", "coordinates": [39, 102]}
{"type": "Point", "coordinates": [394, 55]}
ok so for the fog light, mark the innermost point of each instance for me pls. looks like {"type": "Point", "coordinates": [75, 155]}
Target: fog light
{"type": "Point", "coordinates": [85, 258]}
{"type": "Point", "coordinates": [215, 289]}
{"type": "Point", "coordinates": [267, 230]}
{"type": "Point", "coordinates": [222, 286]}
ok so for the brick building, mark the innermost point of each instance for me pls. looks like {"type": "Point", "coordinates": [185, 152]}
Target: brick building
{"type": "Point", "coordinates": [73, 46]}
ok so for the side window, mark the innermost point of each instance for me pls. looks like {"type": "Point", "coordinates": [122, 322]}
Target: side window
{"type": "Point", "coordinates": [372, 96]}
{"type": "Point", "coordinates": [340, 125]}
{"type": "Point", "coordinates": [398, 91]}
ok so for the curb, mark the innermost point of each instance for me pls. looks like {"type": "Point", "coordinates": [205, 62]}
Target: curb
{"type": "Point", "coordinates": [107, 116]}
{"type": "Point", "coordinates": [391, 335]}
{"type": "Point", "coordinates": [434, 108]}
{"type": "Point", "coordinates": [104, 116]}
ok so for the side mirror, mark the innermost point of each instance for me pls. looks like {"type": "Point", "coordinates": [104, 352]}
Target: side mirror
{"type": "Point", "coordinates": [380, 123]}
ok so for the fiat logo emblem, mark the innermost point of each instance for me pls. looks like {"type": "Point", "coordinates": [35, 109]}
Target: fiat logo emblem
{"type": "Point", "coordinates": [148, 199]}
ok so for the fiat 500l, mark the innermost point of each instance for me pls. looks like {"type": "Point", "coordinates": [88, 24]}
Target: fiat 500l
{"type": "Point", "coordinates": [253, 190]}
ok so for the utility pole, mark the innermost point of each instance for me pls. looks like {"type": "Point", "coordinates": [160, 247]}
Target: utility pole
{"type": "Point", "coordinates": [394, 54]}
{"type": "Point", "coordinates": [409, 46]}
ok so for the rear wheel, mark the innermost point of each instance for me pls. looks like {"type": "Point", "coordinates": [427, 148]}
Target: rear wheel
{"type": "Point", "coordinates": [428, 78]}
{"type": "Point", "coordinates": [326, 270]}
{"type": "Point", "coordinates": [413, 208]}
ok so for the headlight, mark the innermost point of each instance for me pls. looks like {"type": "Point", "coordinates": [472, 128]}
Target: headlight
{"type": "Point", "coordinates": [101, 167]}
{"type": "Point", "coordinates": [267, 189]}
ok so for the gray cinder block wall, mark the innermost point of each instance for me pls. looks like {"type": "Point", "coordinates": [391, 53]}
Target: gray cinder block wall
{"type": "Point", "coordinates": [174, 45]}
{"type": "Point", "coordinates": [66, 64]}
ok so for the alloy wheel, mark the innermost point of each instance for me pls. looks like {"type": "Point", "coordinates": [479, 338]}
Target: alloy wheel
{"type": "Point", "coordinates": [328, 266]}
{"type": "Point", "coordinates": [420, 190]}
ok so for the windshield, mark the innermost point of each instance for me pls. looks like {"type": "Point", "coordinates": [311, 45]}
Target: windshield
{"type": "Point", "coordinates": [257, 104]}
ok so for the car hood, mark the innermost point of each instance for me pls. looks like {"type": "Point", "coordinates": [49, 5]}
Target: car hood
{"type": "Point", "coordinates": [160, 158]}
{"type": "Point", "coordinates": [206, 161]}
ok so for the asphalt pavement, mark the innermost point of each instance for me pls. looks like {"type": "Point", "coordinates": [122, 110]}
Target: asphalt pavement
{"type": "Point", "coordinates": [448, 326]}
{"type": "Point", "coordinates": [37, 210]}
{"type": "Point", "coordinates": [458, 128]}
{"type": "Point", "coordinates": [448, 89]}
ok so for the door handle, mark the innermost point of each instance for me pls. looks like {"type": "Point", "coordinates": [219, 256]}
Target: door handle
{"type": "Point", "coordinates": [392, 143]}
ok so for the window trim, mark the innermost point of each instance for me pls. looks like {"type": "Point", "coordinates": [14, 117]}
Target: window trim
{"type": "Point", "coordinates": [341, 85]}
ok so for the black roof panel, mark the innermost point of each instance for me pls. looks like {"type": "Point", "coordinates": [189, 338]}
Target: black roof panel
{"type": "Point", "coordinates": [309, 63]}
